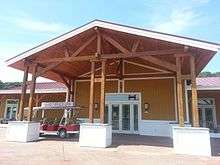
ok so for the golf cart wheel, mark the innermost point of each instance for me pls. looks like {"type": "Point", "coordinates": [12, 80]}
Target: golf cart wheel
{"type": "Point", "coordinates": [62, 133]}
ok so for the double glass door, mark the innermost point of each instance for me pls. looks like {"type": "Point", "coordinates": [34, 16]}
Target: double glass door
{"type": "Point", "coordinates": [11, 109]}
{"type": "Point", "coordinates": [123, 117]}
{"type": "Point", "coordinates": [207, 113]}
{"type": "Point", "coordinates": [206, 117]}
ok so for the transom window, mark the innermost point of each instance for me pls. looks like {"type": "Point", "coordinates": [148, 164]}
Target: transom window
{"type": "Point", "coordinates": [206, 101]}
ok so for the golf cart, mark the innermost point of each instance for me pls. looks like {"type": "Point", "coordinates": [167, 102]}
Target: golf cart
{"type": "Point", "coordinates": [68, 123]}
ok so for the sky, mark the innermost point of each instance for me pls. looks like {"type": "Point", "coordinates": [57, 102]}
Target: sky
{"type": "Point", "coordinates": [25, 24]}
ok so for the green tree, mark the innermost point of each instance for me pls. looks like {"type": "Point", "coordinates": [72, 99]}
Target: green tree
{"type": "Point", "coordinates": [8, 85]}
{"type": "Point", "coordinates": [2, 85]}
{"type": "Point", "coordinates": [209, 74]}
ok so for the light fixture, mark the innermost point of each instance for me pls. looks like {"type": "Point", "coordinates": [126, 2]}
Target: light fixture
{"type": "Point", "coordinates": [146, 107]}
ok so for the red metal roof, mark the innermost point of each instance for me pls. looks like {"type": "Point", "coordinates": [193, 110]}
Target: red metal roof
{"type": "Point", "coordinates": [44, 85]}
{"type": "Point", "coordinates": [208, 82]}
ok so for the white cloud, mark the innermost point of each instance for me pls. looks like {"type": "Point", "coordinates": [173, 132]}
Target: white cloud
{"type": "Point", "coordinates": [40, 26]}
{"type": "Point", "coordinates": [9, 50]}
{"type": "Point", "coordinates": [177, 16]}
{"type": "Point", "coordinates": [178, 21]}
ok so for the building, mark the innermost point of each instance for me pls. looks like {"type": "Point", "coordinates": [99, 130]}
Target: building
{"type": "Point", "coordinates": [208, 96]}
{"type": "Point", "coordinates": [129, 77]}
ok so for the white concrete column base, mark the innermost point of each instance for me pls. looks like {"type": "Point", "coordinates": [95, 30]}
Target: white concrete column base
{"type": "Point", "coordinates": [95, 135]}
{"type": "Point", "coordinates": [3, 129]}
{"type": "Point", "coordinates": [191, 141]}
{"type": "Point", "coordinates": [23, 131]}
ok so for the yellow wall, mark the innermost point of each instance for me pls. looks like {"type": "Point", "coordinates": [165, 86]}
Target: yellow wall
{"type": "Point", "coordinates": [82, 95]}
{"type": "Point", "coordinates": [46, 98]}
{"type": "Point", "coordinates": [158, 93]}
{"type": "Point", "coordinates": [3, 100]}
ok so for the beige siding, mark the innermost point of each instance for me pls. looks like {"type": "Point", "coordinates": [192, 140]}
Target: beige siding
{"type": "Point", "coordinates": [158, 93]}
{"type": "Point", "coordinates": [82, 95]}
{"type": "Point", "coordinates": [44, 98]}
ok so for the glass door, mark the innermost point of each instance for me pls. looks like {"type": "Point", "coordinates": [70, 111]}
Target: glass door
{"type": "Point", "coordinates": [206, 118]}
{"type": "Point", "coordinates": [106, 116]}
{"type": "Point", "coordinates": [209, 121]}
{"type": "Point", "coordinates": [11, 109]}
{"type": "Point", "coordinates": [126, 117]}
{"type": "Point", "coordinates": [135, 116]}
{"type": "Point", "coordinates": [115, 116]}
{"type": "Point", "coordinates": [122, 116]}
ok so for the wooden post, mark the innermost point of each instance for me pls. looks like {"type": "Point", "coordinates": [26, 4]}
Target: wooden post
{"type": "Point", "coordinates": [68, 94]}
{"type": "Point", "coordinates": [195, 115]}
{"type": "Point", "coordinates": [37, 100]}
{"type": "Point", "coordinates": [91, 98]}
{"type": "Point", "coordinates": [102, 98]}
{"type": "Point", "coordinates": [23, 94]}
{"type": "Point", "coordinates": [32, 90]}
{"type": "Point", "coordinates": [72, 88]}
{"type": "Point", "coordinates": [179, 93]}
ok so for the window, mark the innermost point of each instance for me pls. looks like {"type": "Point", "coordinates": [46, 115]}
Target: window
{"type": "Point", "coordinates": [206, 101]}
{"type": "Point", "coordinates": [11, 109]}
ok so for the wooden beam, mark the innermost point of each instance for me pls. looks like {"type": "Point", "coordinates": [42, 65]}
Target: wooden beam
{"type": "Point", "coordinates": [72, 90]}
{"type": "Point", "coordinates": [186, 77]}
{"type": "Point", "coordinates": [67, 55]}
{"type": "Point", "coordinates": [68, 90]}
{"type": "Point", "coordinates": [48, 68]}
{"type": "Point", "coordinates": [91, 98]}
{"type": "Point", "coordinates": [135, 45]}
{"type": "Point", "coordinates": [99, 40]}
{"type": "Point", "coordinates": [120, 69]}
{"type": "Point", "coordinates": [159, 62]}
{"type": "Point", "coordinates": [111, 56]}
{"type": "Point", "coordinates": [179, 93]}
{"type": "Point", "coordinates": [195, 115]}
{"type": "Point", "coordinates": [32, 90]}
{"type": "Point", "coordinates": [66, 59]}
{"type": "Point", "coordinates": [23, 94]}
{"type": "Point", "coordinates": [97, 79]}
{"type": "Point", "coordinates": [115, 44]}
{"type": "Point", "coordinates": [140, 54]}
{"type": "Point", "coordinates": [66, 82]}
{"type": "Point", "coordinates": [81, 48]}
{"type": "Point", "coordinates": [102, 98]}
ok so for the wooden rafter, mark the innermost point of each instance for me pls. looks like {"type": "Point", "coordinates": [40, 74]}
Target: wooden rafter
{"type": "Point", "coordinates": [159, 62]}
{"type": "Point", "coordinates": [81, 48]}
{"type": "Point", "coordinates": [147, 67]}
{"type": "Point", "coordinates": [76, 53]}
{"type": "Point", "coordinates": [65, 81]}
{"type": "Point", "coordinates": [67, 53]}
{"type": "Point", "coordinates": [135, 46]}
{"type": "Point", "coordinates": [45, 69]}
{"type": "Point", "coordinates": [115, 44]}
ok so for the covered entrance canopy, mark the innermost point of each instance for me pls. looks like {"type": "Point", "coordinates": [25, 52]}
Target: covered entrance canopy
{"type": "Point", "coordinates": [98, 51]}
